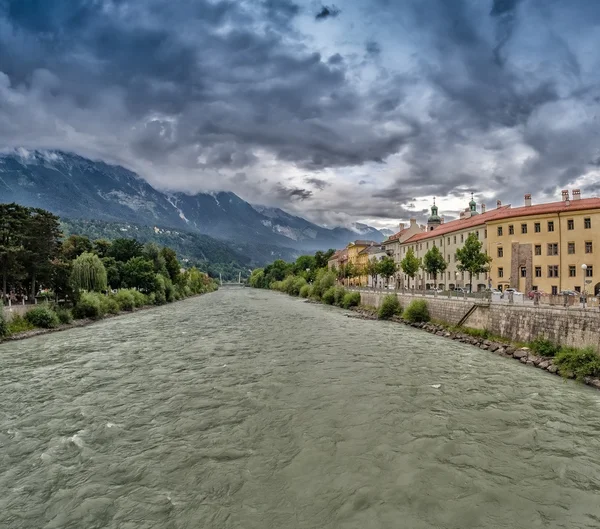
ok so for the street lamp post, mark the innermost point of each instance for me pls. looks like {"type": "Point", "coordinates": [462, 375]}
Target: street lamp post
{"type": "Point", "coordinates": [584, 269]}
{"type": "Point", "coordinates": [456, 283]}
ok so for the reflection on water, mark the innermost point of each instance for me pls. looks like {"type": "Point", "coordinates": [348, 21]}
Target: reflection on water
{"type": "Point", "coordinates": [249, 409]}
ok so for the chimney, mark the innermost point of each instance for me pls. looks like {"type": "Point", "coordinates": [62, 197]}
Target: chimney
{"type": "Point", "coordinates": [528, 199]}
{"type": "Point", "coordinates": [482, 208]}
{"type": "Point", "coordinates": [413, 222]}
{"type": "Point", "coordinates": [498, 203]}
{"type": "Point", "coordinates": [401, 226]}
{"type": "Point", "coordinates": [462, 215]}
{"type": "Point", "coordinates": [576, 194]}
{"type": "Point", "coordinates": [442, 219]}
{"type": "Point", "coordinates": [565, 195]}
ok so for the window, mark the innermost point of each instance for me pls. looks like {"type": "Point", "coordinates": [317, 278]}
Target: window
{"type": "Point", "coordinates": [538, 271]}
{"type": "Point", "coordinates": [553, 271]}
{"type": "Point", "coordinates": [499, 231]}
{"type": "Point", "coordinates": [448, 257]}
{"type": "Point", "coordinates": [511, 229]}
{"type": "Point", "coordinates": [554, 290]}
{"type": "Point", "coordinates": [589, 271]}
{"type": "Point", "coordinates": [588, 246]}
{"type": "Point", "coordinates": [448, 240]}
{"type": "Point", "coordinates": [523, 271]}
{"type": "Point", "coordinates": [500, 272]}
{"type": "Point", "coordinates": [571, 248]}
{"type": "Point", "coordinates": [485, 233]}
{"type": "Point", "coordinates": [455, 258]}
{"type": "Point", "coordinates": [448, 275]}
{"type": "Point", "coordinates": [500, 251]}
{"type": "Point", "coordinates": [550, 225]}
{"type": "Point", "coordinates": [477, 234]}
{"type": "Point", "coordinates": [523, 228]}
{"type": "Point", "coordinates": [427, 245]}
{"type": "Point", "coordinates": [455, 239]}
{"type": "Point", "coordinates": [537, 227]}
{"type": "Point", "coordinates": [552, 248]}
{"type": "Point", "coordinates": [462, 238]}
{"type": "Point", "coordinates": [572, 271]}
{"type": "Point", "coordinates": [441, 242]}
{"type": "Point", "coordinates": [587, 223]}
{"type": "Point", "coordinates": [420, 246]}
{"type": "Point", "coordinates": [570, 224]}
{"type": "Point", "coordinates": [538, 249]}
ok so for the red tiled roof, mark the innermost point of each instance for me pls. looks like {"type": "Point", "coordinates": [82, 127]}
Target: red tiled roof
{"type": "Point", "coordinates": [460, 224]}
{"type": "Point", "coordinates": [507, 212]}
{"type": "Point", "coordinates": [361, 242]}
{"type": "Point", "coordinates": [553, 207]}
{"type": "Point", "coordinates": [397, 235]}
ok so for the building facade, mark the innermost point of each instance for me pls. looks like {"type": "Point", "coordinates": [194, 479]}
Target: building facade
{"type": "Point", "coordinates": [549, 247]}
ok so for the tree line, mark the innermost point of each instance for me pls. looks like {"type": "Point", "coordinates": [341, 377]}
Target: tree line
{"type": "Point", "coordinates": [470, 259]}
{"type": "Point", "coordinates": [34, 258]}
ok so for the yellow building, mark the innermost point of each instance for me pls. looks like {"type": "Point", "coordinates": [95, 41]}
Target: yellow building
{"type": "Point", "coordinates": [543, 247]}
{"type": "Point", "coordinates": [359, 259]}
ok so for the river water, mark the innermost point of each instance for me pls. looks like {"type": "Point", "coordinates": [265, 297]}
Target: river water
{"type": "Point", "coordinates": [249, 409]}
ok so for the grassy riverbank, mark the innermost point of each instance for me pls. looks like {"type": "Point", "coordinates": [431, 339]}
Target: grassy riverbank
{"type": "Point", "coordinates": [92, 307]}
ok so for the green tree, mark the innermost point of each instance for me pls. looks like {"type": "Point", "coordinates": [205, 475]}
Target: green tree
{"type": "Point", "coordinates": [101, 247]}
{"type": "Point", "coordinates": [139, 273]}
{"type": "Point", "coordinates": [75, 245]}
{"type": "Point", "coordinates": [306, 266]}
{"type": "Point", "coordinates": [172, 265]}
{"type": "Point", "coordinates": [152, 253]}
{"type": "Point", "coordinates": [13, 222]}
{"type": "Point", "coordinates": [125, 249]}
{"type": "Point", "coordinates": [113, 271]}
{"type": "Point", "coordinates": [433, 263]}
{"type": "Point", "coordinates": [471, 259]}
{"type": "Point", "coordinates": [322, 258]}
{"type": "Point", "coordinates": [387, 268]}
{"type": "Point", "coordinates": [349, 271]}
{"type": "Point", "coordinates": [42, 244]}
{"type": "Point", "coordinates": [88, 273]}
{"type": "Point", "coordinates": [410, 265]}
{"type": "Point", "coordinates": [372, 270]}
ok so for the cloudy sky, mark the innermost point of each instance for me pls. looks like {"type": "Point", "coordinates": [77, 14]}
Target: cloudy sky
{"type": "Point", "coordinates": [362, 110]}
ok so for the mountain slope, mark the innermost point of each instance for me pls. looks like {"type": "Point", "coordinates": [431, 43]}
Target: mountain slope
{"type": "Point", "coordinates": [76, 187]}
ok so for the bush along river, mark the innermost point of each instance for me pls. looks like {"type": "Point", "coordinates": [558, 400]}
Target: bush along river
{"type": "Point", "coordinates": [251, 409]}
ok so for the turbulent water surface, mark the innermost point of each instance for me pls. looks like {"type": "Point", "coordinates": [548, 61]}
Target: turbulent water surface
{"type": "Point", "coordinates": [249, 409]}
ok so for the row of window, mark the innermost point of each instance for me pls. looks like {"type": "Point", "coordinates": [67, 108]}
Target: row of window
{"type": "Point", "coordinates": [537, 226]}
{"type": "Point", "coordinates": [552, 248]}
{"type": "Point", "coordinates": [552, 271]}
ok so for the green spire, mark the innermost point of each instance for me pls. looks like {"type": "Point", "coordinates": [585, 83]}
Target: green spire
{"type": "Point", "coordinates": [473, 205]}
{"type": "Point", "coordinates": [434, 218]}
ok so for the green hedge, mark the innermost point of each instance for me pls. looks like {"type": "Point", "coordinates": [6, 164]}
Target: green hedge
{"type": "Point", "coordinates": [417, 311]}
{"type": "Point", "coordinates": [390, 306]}
{"type": "Point", "coordinates": [43, 317]}
{"type": "Point", "coordinates": [351, 299]}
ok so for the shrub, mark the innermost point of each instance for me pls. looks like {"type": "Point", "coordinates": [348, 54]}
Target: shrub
{"type": "Point", "coordinates": [3, 323]}
{"type": "Point", "coordinates": [18, 324]}
{"type": "Point", "coordinates": [64, 316]}
{"type": "Point", "coordinates": [389, 307]}
{"type": "Point", "coordinates": [351, 299]}
{"type": "Point", "coordinates": [581, 362]}
{"type": "Point", "coordinates": [325, 280]}
{"type": "Point", "coordinates": [125, 299]}
{"type": "Point", "coordinates": [329, 296]}
{"type": "Point", "coordinates": [298, 284]}
{"type": "Point", "coordinates": [88, 306]}
{"type": "Point", "coordinates": [139, 299]}
{"type": "Point", "coordinates": [544, 347]}
{"type": "Point", "coordinates": [43, 317]}
{"type": "Point", "coordinates": [417, 311]}
{"type": "Point", "coordinates": [109, 305]}
{"type": "Point", "coordinates": [305, 291]}
{"type": "Point", "coordinates": [340, 292]}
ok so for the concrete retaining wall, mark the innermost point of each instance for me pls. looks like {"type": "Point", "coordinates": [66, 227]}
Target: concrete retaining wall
{"type": "Point", "coordinates": [565, 326]}
{"type": "Point", "coordinates": [21, 310]}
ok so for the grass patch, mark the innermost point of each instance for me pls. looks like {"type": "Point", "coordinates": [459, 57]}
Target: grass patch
{"type": "Point", "coordinates": [18, 324]}
{"type": "Point", "coordinates": [417, 311]}
{"type": "Point", "coordinates": [544, 347]}
{"type": "Point", "coordinates": [581, 362]}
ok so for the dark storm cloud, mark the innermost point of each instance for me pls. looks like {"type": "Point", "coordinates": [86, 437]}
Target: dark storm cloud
{"type": "Point", "coordinates": [317, 182]}
{"type": "Point", "coordinates": [498, 96]}
{"type": "Point", "coordinates": [372, 47]}
{"type": "Point", "coordinates": [292, 193]}
{"type": "Point", "coordinates": [327, 12]}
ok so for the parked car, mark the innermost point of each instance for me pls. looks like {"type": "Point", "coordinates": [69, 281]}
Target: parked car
{"type": "Point", "coordinates": [493, 291]}
{"type": "Point", "coordinates": [531, 293]}
{"type": "Point", "coordinates": [462, 290]}
{"type": "Point", "coordinates": [568, 293]}
{"type": "Point", "coordinates": [438, 290]}
{"type": "Point", "coordinates": [513, 290]}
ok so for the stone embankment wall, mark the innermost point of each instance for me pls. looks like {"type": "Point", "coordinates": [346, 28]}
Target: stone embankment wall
{"type": "Point", "coordinates": [21, 310]}
{"type": "Point", "coordinates": [573, 327]}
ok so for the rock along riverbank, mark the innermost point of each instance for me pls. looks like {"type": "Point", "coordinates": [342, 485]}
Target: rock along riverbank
{"type": "Point", "coordinates": [507, 350]}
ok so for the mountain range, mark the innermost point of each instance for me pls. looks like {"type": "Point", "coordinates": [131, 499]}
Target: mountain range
{"type": "Point", "coordinates": [79, 188]}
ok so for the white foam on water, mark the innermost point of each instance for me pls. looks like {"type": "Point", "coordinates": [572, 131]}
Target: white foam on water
{"type": "Point", "coordinates": [436, 386]}
{"type": "Point", "coordinates": [76, 440]}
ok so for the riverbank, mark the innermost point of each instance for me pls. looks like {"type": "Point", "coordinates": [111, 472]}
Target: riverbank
{"type": "Point", "coordinates": [499, 347]}
{"type": "Point", "coordinates": [84, 322]}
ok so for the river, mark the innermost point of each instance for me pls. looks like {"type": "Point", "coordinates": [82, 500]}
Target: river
{"type": "Point", "coordinates": [249, 409]}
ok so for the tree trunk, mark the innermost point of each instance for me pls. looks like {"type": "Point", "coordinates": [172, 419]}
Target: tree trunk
{"type": "Point", "coordinates": [33, 292]}
{"type": "Point", "coordinates": [470, 282]}
{"type": "Point", "coordinates": [3, 286]}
